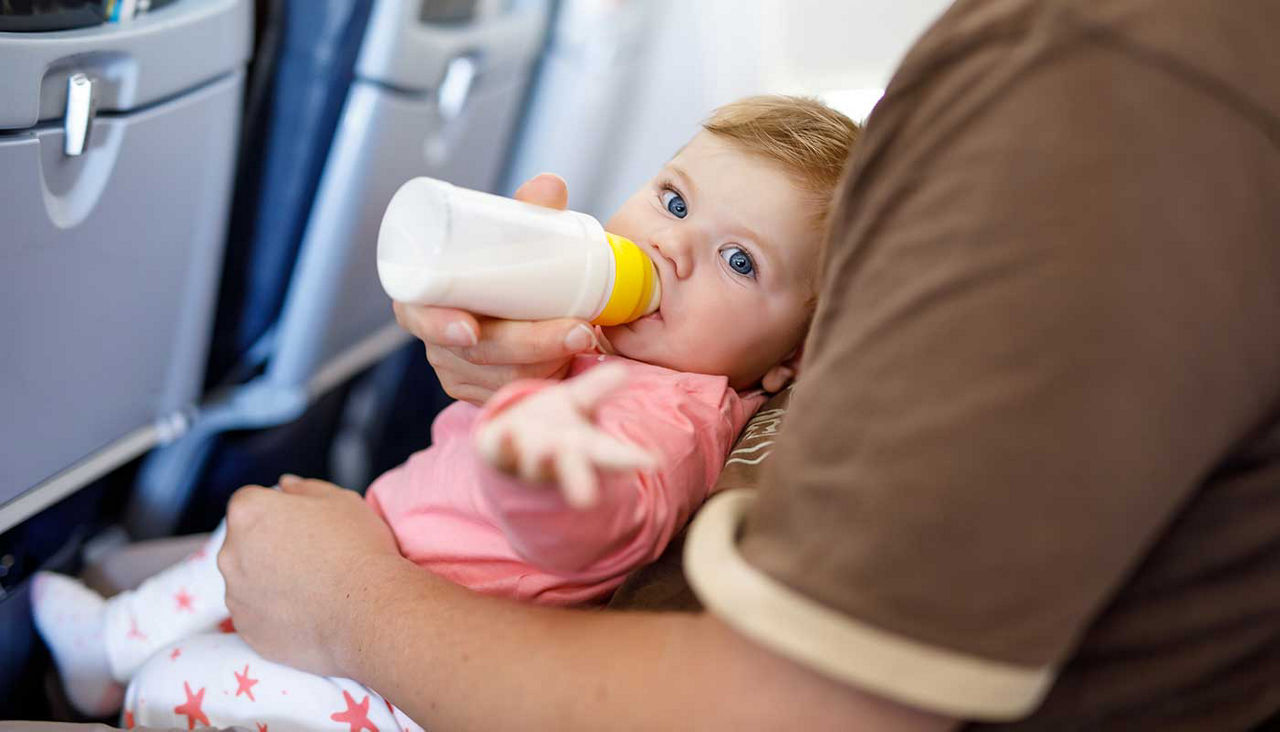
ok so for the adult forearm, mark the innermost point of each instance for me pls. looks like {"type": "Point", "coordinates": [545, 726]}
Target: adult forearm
{"type": "Point", "coordinates": [453, 659]}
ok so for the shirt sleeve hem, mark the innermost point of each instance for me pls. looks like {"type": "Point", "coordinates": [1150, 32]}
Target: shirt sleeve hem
{"type": "Point", "coordinates": [793, 625]}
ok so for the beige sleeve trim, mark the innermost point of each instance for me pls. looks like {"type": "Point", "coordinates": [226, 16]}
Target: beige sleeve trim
{"type": "Point", "coordinates": [799, 628]}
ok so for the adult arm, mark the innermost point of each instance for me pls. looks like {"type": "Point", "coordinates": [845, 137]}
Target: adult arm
{"type": "Point", "coordinates": [1019, 460]}
{"type": "Point", "coordinates": [349, 605]}
{"type": "Point", "coordinates": [474, 356]}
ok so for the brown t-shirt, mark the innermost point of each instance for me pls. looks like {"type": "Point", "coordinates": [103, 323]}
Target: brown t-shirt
{"type": "Point", "coordinates": [1032, 469]}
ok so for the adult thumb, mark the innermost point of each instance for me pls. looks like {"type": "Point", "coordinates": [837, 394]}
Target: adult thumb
{"type": "Point", "coordinates": [544, 189]}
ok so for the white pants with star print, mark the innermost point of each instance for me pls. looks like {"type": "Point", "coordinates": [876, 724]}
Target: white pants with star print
{"type": "Point", "coordinates": [217, 680]}
{"type": "Point", "coordinates": [159, 640]}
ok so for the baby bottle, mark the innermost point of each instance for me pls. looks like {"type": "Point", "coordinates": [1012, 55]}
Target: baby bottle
{"type": "Point", "coordinates": [454, 247]}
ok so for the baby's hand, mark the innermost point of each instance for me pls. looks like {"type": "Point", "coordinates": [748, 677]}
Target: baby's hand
{"type": "Point", "coordinates": [549, 437]}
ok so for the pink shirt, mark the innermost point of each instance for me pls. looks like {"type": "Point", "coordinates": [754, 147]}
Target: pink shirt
{"type": "Point", "coordinates": [460, 519]}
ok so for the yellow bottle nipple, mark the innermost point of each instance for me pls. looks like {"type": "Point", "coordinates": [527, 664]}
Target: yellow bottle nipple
{"type": "Point", "coordinates": [636, 289]}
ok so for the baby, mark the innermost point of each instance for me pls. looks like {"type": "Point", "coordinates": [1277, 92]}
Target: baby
{"type": "Point", "coordinates": [553, 492]}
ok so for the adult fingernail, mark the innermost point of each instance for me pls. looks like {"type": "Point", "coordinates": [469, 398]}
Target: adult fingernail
{"type": "Point", "coordinates": [579, 339]}
{"type": "Point", "coordinates": [459, 333]}
{"type": "Point", "coordinates": [288, 478]}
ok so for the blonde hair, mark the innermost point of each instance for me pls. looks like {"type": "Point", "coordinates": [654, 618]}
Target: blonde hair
{"type": "Point", "coordinates": [810, 140]}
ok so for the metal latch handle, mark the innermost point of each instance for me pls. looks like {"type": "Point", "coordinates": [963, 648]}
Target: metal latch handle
{"type": "Point", "coordinates": [79, 118]}
{"type": "Point", "coordinates": [455, 87]}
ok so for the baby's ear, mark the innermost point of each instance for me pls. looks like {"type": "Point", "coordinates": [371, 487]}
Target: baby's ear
{"type": "Point", "coordinates": [781, 374]}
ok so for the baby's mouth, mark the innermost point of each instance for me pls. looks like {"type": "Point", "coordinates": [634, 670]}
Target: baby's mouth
{"type": "Point", "coordinates": [602, 343]}
{"type": "Point", "coordinates": [660, 275]}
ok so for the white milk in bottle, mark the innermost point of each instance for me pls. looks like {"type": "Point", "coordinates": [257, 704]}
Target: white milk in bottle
{"type": "Point", "coordinates": [454, 247]}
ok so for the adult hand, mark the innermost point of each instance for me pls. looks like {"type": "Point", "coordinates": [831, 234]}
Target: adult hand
{"type": "Point", "coordinates": [474, 356]}
{"type": "Point", "coordinates": [289, 560]}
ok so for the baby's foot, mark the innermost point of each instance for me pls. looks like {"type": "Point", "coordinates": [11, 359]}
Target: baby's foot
{"type": "Point", "coordinates": [69, 616]}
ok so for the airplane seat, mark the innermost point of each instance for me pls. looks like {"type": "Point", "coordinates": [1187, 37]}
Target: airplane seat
{"type": "Point", "coordinates": [50, 540]}
{"type": "Point", "coordinates": [126, 257]}
{"type": "Point", "coordinates": [308, 62]}
{"type": "Point", "coordinates": [435, 89]}
{"type": "Point", "coordinates": [117, 145]}
{"type": "Point", "coordinates": [308, 56]}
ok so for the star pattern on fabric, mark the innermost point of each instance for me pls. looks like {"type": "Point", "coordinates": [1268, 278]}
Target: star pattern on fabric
{"type": "Point", "coordinates": [134, 633]}
{"type": "Point", "coordinates": [356, 715]}
{"type": "Point", "coordinates": [226, 626]}
{"type": "Point", "coordinates": [128, 719]}
{"type": "Point", "coordinates": [183, 598]}
{"type": "Point", "coordinates": [245, 683]}
{"type": "Point", "coordinates": [191, 708]}
{"type": "Point", "coordinates": [199, 554]}
{"type": "Point", "coordinates": [173, 655]}
{"type": "Point", "coordinates": [262, 727]}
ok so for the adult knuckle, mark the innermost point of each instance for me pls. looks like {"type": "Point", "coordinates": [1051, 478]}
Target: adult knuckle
{"type": "Point", "coordinates": [476, 395]}
{"type": "Point", "coordinates": [244, 505]}
{"type": "Point", "coordinates": [527, 371]}
{"type": "Point", "coordinates": [235, 609]}
{"type": "Point", "coordinates": [477, 355]}
{"type": "Point", "coordinates": [235, 507]}
{"type": "Point", "coordinates": [454, 389]}
{"type": "Point", "coordinates": [436, 356]}
{"type": "Point", "coordinates": [224, 562]}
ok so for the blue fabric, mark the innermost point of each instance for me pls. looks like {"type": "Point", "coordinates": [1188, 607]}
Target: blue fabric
{"type": "Point", "coordinates": [314, 70]}
{"type": "Point", "coordinates": [49, 540]}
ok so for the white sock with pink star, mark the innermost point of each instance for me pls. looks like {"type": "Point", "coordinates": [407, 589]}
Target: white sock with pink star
{"type": "Point", "coordinates": [69, 617]}
{"type": "Point", "coordinates": [182, 600]}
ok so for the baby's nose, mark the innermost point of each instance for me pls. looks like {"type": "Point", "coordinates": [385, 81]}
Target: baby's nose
{"type": "Point", "coordinates": [677, 249]}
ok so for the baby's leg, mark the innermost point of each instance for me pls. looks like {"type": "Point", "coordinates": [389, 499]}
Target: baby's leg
{"type": "Point", "coordinates": [183, 600]}
{"type": "Point", "coordinates": [96, 644]}
{"type": "Point", "coordinates": [217, 680]}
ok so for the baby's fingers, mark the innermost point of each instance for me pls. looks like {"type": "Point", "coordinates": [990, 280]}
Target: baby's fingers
{"type": "Point", "coordinates": [577, 479]}
{"type": "Point", "coordinates": [497, 448]}
{"type": "Point", "coordinates": [587, 390]}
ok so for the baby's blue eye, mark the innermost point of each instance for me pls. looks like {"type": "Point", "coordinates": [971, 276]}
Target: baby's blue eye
{"type": "Point", "coordinates": [674, 203]}
{"type": "Point", "coordinates": [739, 261]}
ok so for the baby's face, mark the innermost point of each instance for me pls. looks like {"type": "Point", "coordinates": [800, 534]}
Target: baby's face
{"type": "Point", "coordinates": [736, 253]}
